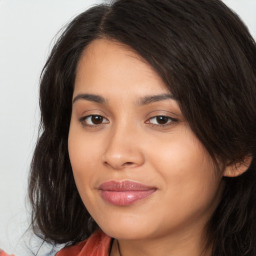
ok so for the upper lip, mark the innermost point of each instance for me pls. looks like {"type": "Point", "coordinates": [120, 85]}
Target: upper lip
{"type": "Point", "coordinates": [125, 185]}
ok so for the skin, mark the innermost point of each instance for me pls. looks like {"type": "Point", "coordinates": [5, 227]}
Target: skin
{"type": "Point", "coordinates": [128, 143]}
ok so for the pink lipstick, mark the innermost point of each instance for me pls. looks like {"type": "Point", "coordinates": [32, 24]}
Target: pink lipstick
{"type": "Point", "coordinates": [125, 192]}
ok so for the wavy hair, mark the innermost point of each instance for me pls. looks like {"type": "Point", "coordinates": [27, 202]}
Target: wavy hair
{"type": "Point", "coordinates": [207, 58]}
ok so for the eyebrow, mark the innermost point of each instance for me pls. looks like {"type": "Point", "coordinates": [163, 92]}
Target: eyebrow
{"type": "Point", "coordinates": [154, 98]}
{"type": "Point", "coordinates": [143, 101]}
{"type": "Point", "coordinates": [90, 97]}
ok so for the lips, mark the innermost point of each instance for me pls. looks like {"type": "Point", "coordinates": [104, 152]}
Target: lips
{"type": "Point", "coordinates": [124, 193]}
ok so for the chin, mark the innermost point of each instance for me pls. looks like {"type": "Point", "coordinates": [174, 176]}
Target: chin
{"type": "Point", "coordinates": [126, 229]}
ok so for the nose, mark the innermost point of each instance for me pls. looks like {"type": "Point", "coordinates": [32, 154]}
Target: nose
{"type": "Point", "coordinates": [123, 149]}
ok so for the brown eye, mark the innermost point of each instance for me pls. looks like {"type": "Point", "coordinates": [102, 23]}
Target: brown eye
{"type": "Point", "coordinates": [93, 120]}
{"type": "Point", "coordinates": [96, 119]}
{"type": "Point", "coordinates": [161, 120]}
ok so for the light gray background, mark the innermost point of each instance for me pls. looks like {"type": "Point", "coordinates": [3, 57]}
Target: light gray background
{"type": "Point", "coordinates": [27, 31]}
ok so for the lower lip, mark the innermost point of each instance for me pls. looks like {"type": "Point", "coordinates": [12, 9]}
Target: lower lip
{"type": "Point", "coordinates": [124, 198]}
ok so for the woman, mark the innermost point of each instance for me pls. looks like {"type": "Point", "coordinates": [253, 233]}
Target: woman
{"type": "Point", "coordinates": [148, 133]}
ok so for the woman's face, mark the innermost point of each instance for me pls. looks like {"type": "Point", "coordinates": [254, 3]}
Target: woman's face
{"type": "Point", "coordinates": [140, 170]}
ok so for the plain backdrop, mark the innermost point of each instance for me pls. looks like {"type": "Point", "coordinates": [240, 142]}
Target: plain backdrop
{"type": "Point", "coordinates": [27, 33]}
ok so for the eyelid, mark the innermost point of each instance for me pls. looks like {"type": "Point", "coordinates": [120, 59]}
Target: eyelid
{"type": "Point", "coordinates": [166, 113]}
{"type": "Point", "coordinates": [162, 112]}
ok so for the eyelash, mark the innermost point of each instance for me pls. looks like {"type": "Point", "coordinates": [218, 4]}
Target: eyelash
{"type": "Point", "coordinates": [170, 121]}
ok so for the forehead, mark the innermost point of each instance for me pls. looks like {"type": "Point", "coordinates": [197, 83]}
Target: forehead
{"type": "Point", "coordinates": [113, 65]}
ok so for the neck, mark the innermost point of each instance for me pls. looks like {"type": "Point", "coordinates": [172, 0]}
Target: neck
{"type": "Point", "coordinates": [190, 244]}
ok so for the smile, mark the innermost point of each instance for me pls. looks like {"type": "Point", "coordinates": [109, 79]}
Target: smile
{"type": "Point", "coordinates": [124, 193]}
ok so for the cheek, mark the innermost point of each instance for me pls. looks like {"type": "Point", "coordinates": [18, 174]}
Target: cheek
{"type": "Point", "coordinates": [190, 184]}
{"type": "Point", "coordinates": [82, 155]}
{"type": "Point", "coordinates": [186, 168]}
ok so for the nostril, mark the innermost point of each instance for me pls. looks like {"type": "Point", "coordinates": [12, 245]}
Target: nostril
{"type": "Point", "coordinates": [117, 165]}
{"type": "Point", "coordinates": [128, 163]}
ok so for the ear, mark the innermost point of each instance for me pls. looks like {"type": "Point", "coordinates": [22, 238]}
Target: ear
{"type": "Point", "coordinates": [237, 169]}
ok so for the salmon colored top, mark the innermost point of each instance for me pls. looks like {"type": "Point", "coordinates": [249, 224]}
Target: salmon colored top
{"type": "Point", "coordinates": [98, 244]}
{"type": "Point", "coordinates": [2, 253]}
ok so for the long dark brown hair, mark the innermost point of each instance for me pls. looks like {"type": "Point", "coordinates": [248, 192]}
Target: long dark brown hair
{"type": "Point", "coordinates": [207, 58]}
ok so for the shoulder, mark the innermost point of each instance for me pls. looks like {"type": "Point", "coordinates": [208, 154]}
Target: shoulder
{"type": "Point", "coordinates": [98, 244]}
